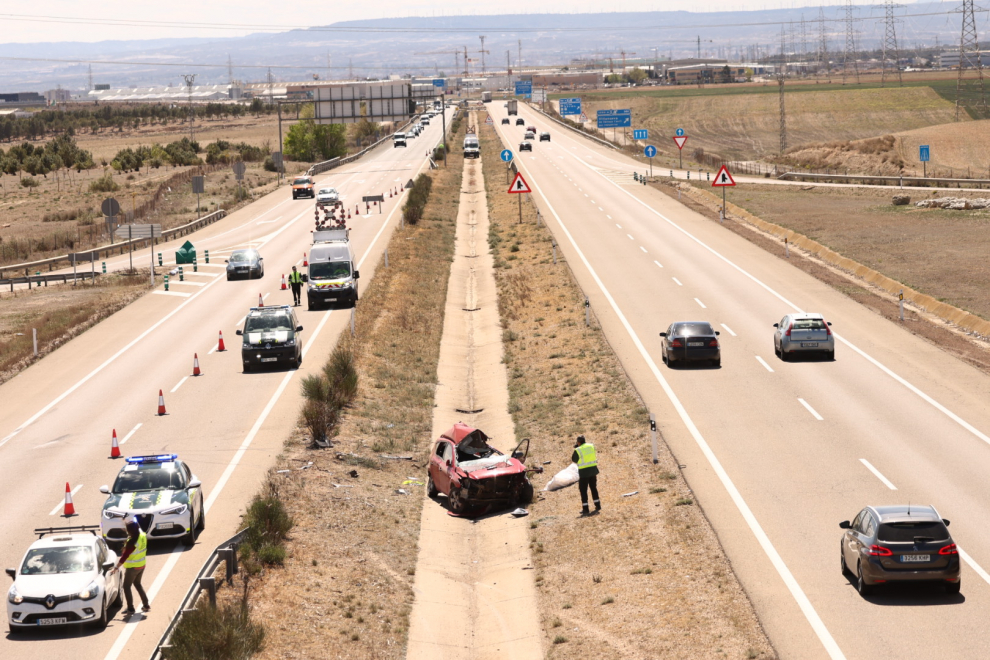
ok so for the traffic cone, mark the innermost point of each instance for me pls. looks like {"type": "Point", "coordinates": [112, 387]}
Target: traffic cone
{"type": "Point", "coordinates": [348, 215]}
{"type": "Point", "coordinates": [114, 446]}
{"type": "Point", "coordinates": [305, 263]}
{"type": "Point", "coordinates": [220, 347]}
{"type": "Point", "coordinates": [284, 287]}
{"type": "Point", "coordinates": [161, 403]}
{"type": "Point", "coordinates": [69, 509]}
{"type": "Point", "coordinates": [261, 301]}
{"type": "Point", "coordinates": [390, 194]}
{"type": "Point", "coordinates": [357, 210]}
{"type": "Point", "coordinates": [196, 372]}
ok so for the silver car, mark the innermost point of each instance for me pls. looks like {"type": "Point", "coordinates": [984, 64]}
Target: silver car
{"type": "Point", "coordinates": [803, 333]}
{"type": "Point", "coordinates": [245, 263]}
{"type": "Point", "coordinates": [327, 196]}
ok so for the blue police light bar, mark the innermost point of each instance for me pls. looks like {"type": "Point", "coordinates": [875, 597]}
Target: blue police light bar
{"type": "Point", "coordinates": [160, 458]}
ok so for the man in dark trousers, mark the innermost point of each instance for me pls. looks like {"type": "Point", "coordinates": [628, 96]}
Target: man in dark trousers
{"type": "Point", "coordinates": [587, 461]}
{"type": "Point", "coordinates": [133, 558]}
{"type": "Point", "coordinates": [296, 282]}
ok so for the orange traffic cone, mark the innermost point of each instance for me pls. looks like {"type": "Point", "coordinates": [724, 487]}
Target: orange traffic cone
{"type": "Point", "coordinates": [220, 347]}
{"type": "Point", "coordinates": [161, 403]}
{"type": "Point", "coordinates": [390, 194]}
{"type": "Point", "coordinates": [305, 263]}
{"type": "Point", "coordinates": [114, 446]}
{"type": "Point", "coordinates": [69, 509]}
{"type": "Point", "coordinates": [348, 215]}
{"type": "Point", "coordinates": [261, 301]}
{"type": "Point", "coordinates": [284, 287]}
{"type": "Point", "coordinates": [196, 371]}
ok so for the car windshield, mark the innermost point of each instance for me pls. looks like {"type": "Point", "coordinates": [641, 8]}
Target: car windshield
{"type": "Point", "coordinates": [148, 477]}
{"type": "Point", "coordinates": [692, 329]}
{"type": "Point", "coordinates": [243, 255]}
{"type": "Point", "coordinates": [302, 181]}
{"type": "Point", "coordinates": [268, 323]}
{"type": "Point", "coordinates": [906, 532]}
{"type": "Point", "coordinates": [327, 191]}
{"type": "Point", "coordinates": [808, 324]}
{"type": "Point", "coordinates": [49, 561]}
{"type": "Point", "coordinates": [329, 270]}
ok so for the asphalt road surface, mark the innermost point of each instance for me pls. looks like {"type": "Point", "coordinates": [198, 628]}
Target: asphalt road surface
{"type": "Point", "coordinates": [779, 453]}
{"type": "Point", "coordinates": [57, 416]}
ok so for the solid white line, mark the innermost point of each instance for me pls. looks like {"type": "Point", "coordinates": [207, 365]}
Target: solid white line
{"type": "Point", "coordinates": [876, 473]}
{"type": "Point", "coordinates": [700, 303]}
{"type": "Point", "coordinates": [58, 507]}
{"type": "Point", "coordinates": [810, 409]}
{"type": "Point", "coordinates": [128, 436]}
{"type": "Point", "coordinates": [729, 330]}
{"type": "Point", "coordinates": [765, 365]}
{"type": "Point", "coordinates": [642, 248]}
{"type": "Point", "coordinates": [831, 647]}
{"type": "Point", "coordinates": [972, 564]}
{"type": "Point", "coordinates": [658, 263]}
{"type": "Point", "coordinates": [178, 385]}
{"type": "Point", "coordinates": [677, 280]}
{"type": "Point", "coordinates": [178, 294]}
{"type": "Point", "coordinates": [200, 274]}
{"type": "Point", "coordinates": [215, 347]}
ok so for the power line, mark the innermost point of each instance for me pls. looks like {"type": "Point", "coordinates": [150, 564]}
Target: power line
{"type": "Point", "coordinates": [180, 64]}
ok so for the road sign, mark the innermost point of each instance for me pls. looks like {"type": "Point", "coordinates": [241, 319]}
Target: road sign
{"type": "Point", "coordinates": [614, 118]}
{"type": "Point", "coordinates": [584, 118]}
{"type": "Point", "coordinates": [239, 169]}
{"type": "Point", "coordinates": [650, 151]}
{"type": "Point", "coordinates": [110, 207]}
{"type": "Point", "coordinates": [125, 232]}
{"type": "Point", "coordinates": [723, 178]}
{"type": "Point", "coordinates": [79, 257]}
{"type": "Point", "coordinates": [277, 159]}
{"type": "Point", "coordinates": [925, 153]}
{"type": "Point", "coordinates": [506, 156]}
{"type": "Point", "coordinates": [679, 132]}
{"type": "Point", "coordinates": [680, 140]}
{"type": "Point", "coordinates": [519, 185]}
{"type": "Point", "coordinates": [524, 88]}
{"type": "Point", "coordinates": [570, 106]}
{"type": "Point", "coordinates": [439, 82]}
{"type": "Point", "coordinates": [198, 184]}
{"type": "Point", "coordinates": [489, 120]}
{"type": "Point", "coordinates": [640, 134]}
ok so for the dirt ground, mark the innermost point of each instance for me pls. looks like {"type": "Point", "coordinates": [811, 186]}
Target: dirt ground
{"type": "Point", "coordinates": [647, 578]}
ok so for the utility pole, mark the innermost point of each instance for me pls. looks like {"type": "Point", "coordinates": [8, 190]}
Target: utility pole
{"type": "Point", "coordinates": [850, 54]}
{"type": "Point", "coordinates": [969, 53]}
{"type": "Point", "coordinates": [467, 64]}
{"type": "Point", "coordinates": [508, 63]}
{"type": "Point", "coordinates": [230, 71]}
{"type": "Point", "coordinates": [780, 88]}
{"type": "Point", "coordinates": [350, 68]}
{"type": "Point", "coordinates": [699, 46]}
{"type": "Point", "coordinates": [482, 55]}
{"type": "Point", "coordinates": [889, 44]}
{"type": "Point", "coordinates": [271, 92]}
{"type": "Point", "coordinates": [90, 76]}
{"type": "Point", "coordinates": [329, 67]}
{"type": "Point", "coordinates": [190, 79]}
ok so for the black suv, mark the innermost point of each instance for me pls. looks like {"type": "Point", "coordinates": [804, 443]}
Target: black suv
{"type": "Point", "coordinates": [520, 122]}
{"type": "Point", "coordinates": [271, 336]}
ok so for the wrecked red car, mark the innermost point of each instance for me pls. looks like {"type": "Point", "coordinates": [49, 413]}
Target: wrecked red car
{"type": "Point", "coordinates": [474, 475]}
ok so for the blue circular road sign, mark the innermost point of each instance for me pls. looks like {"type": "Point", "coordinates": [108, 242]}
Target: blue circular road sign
{"type": "Point", "coordinates": [650, 151]}
{"type": "Point", "coordinates": [679, 132]}
{"type": "Point", "coordinates": [506, 155]}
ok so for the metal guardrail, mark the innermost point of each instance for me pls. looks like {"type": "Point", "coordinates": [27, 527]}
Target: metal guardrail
{"type": "Point", "coordinates": [225, 552]}
{"type": "Point", "coordinates": [107, 249]}
{"type": "Point", "coordinates": [900, 180]}
{"type": "Point", "coordinates": [568, 126]}
{"type": "Point", "coordinates": [40, 280]}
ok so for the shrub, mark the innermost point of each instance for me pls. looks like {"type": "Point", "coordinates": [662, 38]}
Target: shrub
{"type": "Point", "coordinates": [341, 374]}
{"type": "Point", "coordinates": [270, 165]}
{"type": "Point", "coordinates": [104, 184]}
{"type": "Point", "coordinates": [419, 195]}
{"type": "Point", "coordinates": [216, 633]}
{"type": "Point", "coordinates": [271, 555]}
{"type": "Point", "coordinates": [29, 182]}
{"type": "Point", "coordinates": [267, 520]}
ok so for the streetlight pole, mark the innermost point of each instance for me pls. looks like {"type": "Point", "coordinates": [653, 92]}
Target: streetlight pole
{"type": "Point", "coordinates": [190, 79]}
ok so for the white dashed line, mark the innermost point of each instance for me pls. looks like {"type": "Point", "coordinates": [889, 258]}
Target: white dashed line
{"type": "Point", "coordinates": [677, 280]}
{"type": "Point", "coordinates": [128, 436]}
{"type": "Point", "coordinates": [608, 216]}
{"type": "Point", "coordinates": [642, 248]}
{"type": "Point", "coordinates": [810, 409]}
{"type": "Point", "coordinates": [763, 362]}
{"type": "Point", "coordinates": [658, 263]}
{"type": "Point", "coordinates": [179, 384]}
{"type": "Point", "coordinates": [618, 225]}
{"type": "Point", "coordinates": [700, 303]}
{"type": "Point", "coordinates": [630, 237]}
{"type": "Point", "coordinates": [876, 473]}
{"type": "Point", "coordinates": [600, 209]}
{"type": "Point", "coordinates": [729, 330]}
{"type": "Point", "coordinates": [58, 507]}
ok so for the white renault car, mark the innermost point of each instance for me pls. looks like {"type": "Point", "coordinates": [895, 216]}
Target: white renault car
{"type": "Point", "coordinates": [327, 196]}
{"type": "Point", "coordinates": [65, 578]}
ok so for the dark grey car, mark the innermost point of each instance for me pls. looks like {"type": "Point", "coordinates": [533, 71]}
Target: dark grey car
{"type": "Point", "coordinates": [899, 544]}
{"type": "Point", "coordinates": [245, 263]}
{"type": "Point", "coordinates": [803, 333]}
{"type": "Point", "coordinates": [691, 341]}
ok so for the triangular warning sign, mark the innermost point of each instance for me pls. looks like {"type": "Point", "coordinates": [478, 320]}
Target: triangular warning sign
{"type": "Point", "coordinates": [680, 140]}
{"type": "Point", "coordinates": [519, 184]}
{"type": "Point", "coordinates": [584, 117]}
{"type": "Point", "coordinates": [723, 178]}
{"type": "Point", "coordinates": [489, 120]}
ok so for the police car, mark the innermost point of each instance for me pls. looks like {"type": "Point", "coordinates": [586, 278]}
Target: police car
{"type": "Point", "coordinates": [64, 579]}
{"type": "Point", "coordinates": [271, 335]}
{"type": "Point", "coordinates": [161, 493]}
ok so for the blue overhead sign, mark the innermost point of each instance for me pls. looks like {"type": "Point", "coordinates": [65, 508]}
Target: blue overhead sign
{"type": "Point", "coordinates": [640, 134]}
{"type": "Point", "coordinates": [439, 82]}
{"type": "Point", "coordinates": [925, 154]}
{"type": "Point", "coordinates": [506, 155]}
{"type": "Point", "coordinates": [570, 106]}
{"type": "Point", "coordinates": [614, 118]}
{"type": "Point", "coordinates": [524, 88]}
{"type": "Point", "coordinates": [650, 151]}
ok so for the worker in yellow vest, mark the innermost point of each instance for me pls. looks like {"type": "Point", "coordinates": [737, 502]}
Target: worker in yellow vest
{"type": "Point", "coordinates": [296, 282]}
{"type": "Point", "coordinates": [133, 558]}
{"type": "Point", "coordinates": [587, 461]}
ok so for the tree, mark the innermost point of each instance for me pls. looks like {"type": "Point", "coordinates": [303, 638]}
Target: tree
{"type": "Point", "coordinates": [725, 75]}
{"type": "Point", "coordinates": [637, 75]}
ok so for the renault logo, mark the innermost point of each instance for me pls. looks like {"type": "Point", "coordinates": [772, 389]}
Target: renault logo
{"type": "Point", "coordinates": [49, 601]}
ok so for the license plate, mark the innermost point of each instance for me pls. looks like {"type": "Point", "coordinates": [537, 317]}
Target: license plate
{"type": "Point", "coordinates": [696, 343]}
{"type": "Point", "coordinates": [164, 526]}
{"type": "Point", "coordinates": [809, 344]}
{"type": "Point", "coordinates": [332, 299]}
{"type": "Point", "coordinates": [269, 359]}
{"type": "Point", "coordinates": [53, 621]}
{"type": "Point", "coordinates": [914, 558]}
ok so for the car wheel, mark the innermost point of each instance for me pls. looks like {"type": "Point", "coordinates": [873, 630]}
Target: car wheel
{"type": "Point", "coordinates": [431, 488]}
{"type": "Point", "coordinates": [842, 560]}
{"type": "Point", "coordinates": [189, 539]}
{"type": "Point", "coordinates": [458, 502]}
{"type": "Point", "coordinates": [201, 523]}
{"type": "Point", "coordinates": [247, 368]}
{"type": "Point", "coordinates": [101, 623]}
{"type": "Point", "coordinates": [119, 598]}
{"type": "Point", "coordinates": [953, 587]}
{"type": "Point", "coordinates": [783, 355]}
{"type": "Point", "coordinates": [228, 278]}
{"type": "Point", "coordinates": [861, 586]}
{"type": "Point", "coordinates": [830, 356]}
{"type": "Point", "coordinates": [717, 363]}
{"type": "Point", "coordinates": [526, 497]}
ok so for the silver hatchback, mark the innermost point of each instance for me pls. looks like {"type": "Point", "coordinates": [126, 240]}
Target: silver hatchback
{"type": "Point", "coordinates": [803, 333]}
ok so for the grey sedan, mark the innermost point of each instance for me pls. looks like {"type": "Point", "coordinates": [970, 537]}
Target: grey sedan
{"type": "Point", "coordinates": [691, 341]}
{"type": "Point", "coordinates": [803, 333]}
{"type": "Point", "coordinates": [245, 263]}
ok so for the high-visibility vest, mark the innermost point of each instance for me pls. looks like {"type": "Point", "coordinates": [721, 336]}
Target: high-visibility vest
{"type": "Point", "coordinates": [137, 558]}
{"type": "Point", "coordinates": [587, 456]}
{"type": "Point", "coordinates": [295, 277]}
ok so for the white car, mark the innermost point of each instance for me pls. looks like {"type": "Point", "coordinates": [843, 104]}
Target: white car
{"type": "Point", "coordinates": [327, 196]}
{"type": "Point", "coordinates": [161, 493]}
{"type": "Point", "coordinates": [65, 578]}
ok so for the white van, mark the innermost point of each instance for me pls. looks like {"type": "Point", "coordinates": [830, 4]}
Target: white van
{"type": "Point", "coordinates": [472, 149]}
{"type": "Point", "coordinates": [399, 140]}
{"type": "Point", "coordinates": [331, 277]}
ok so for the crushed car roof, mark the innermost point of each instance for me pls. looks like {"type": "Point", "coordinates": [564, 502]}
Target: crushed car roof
{"type": "Point", "coordinates": [459, 432]}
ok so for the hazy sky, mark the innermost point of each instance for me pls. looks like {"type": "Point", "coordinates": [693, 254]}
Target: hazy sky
{"type": "Point", "coordinates": [258, 13]}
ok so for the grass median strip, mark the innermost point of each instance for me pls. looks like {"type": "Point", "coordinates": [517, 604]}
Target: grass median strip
{"type": "Point", "coordinates": [647, 578]}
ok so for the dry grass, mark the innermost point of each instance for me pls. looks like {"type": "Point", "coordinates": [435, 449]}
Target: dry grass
{"type": "Point", "coordinates": [346, 588]}
{"type": "Point", "coordinates": [647, 578]}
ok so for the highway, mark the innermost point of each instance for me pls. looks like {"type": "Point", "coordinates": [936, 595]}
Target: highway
{"type": "Point", "coordinates": [56, 417]}
{"type": "Point", "coordinates": [778, 453]}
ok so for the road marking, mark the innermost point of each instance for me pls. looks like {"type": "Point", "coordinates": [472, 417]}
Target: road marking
{"type": "Point", "coordinates": [618, 225]}
{"type": "Point", "coordinates": [642, 248]}
{"type": "Point", "coordinates": [810, 409]}
{"type": "Point", "coordinates": [181, 283]}
{"type": "Point", "coordinates": [179, 384]}
{"type": "Point", "coordinates": [972, 564]}
{"type": "Point", "coordinates": [203, 274]}
{"type": "Point", "coordinates": [266, 222]}
{"type": "Point", "coordinates": [128, 436]}
{"type": "Point", "coordinates": [630, 237]}
{"type": "Point", "coordinates": [58, 507]}
{"type": "Point", "coordinates": [765, 365]}
{"type": "Point", "coordinates": [729, 330]}
{"type": "Point", "coordinates": [658, 263]}
{"type": "Point", "coordinates": [677, 280]}
{"type": "Point", "coordinates": [876, 473]}
{"type": "Point", "coordinates": [608, 216]}
{"type": "Point", "coordinates": [585, 194]}
{"type": "Point", "coordinates": [824, 636]}
{"type": "Point", "coordinates": [265, 297]}
{"type": "Point", "coordinates": [700, 303]}
{"type": "Point", "coordinates": [600, 208]}
{"type": "Point", "coordinates": [179, 294]}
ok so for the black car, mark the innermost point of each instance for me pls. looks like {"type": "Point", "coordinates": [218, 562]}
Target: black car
{"type": "Point", "coordinates": [899, 544]}
{"type": "Point", "coordinates": [245, 263]}
{"type": "Point", "coordinates": [691, 341]}
{"type": "Point", "coordinates": [271, 336]}
{"type": "Point", "coordinates": [525, 146]}
{"type": "Point", "coordinates": [545, 136]}
{"type": "Point", "coordinates": [505, 120]}
{"type": "Point", "coordinates": [520, 121]}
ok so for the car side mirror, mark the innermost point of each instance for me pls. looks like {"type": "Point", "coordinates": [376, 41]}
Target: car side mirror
{"type": "Point", "coordinates": [239, 333]}
{"type": "Point", "coordinates": [357, 274]}
{"type": "Point", "coordinates": [105, 489]}
{"type": "Point", "coordinates": [226, 261]}
{"type": "Point", "coordinates": [776, 325]}
{"type": "Point", "coordinates": [828, 323]}
{"type": "Point", "coordinates": [12, 572]}
{"type": "Point", "coordinates": [298, 328]}
{"type": "Point", "coordinates": [663, 334]}
{"type": "Point", "coordinates": [195, 483]}
{"type": "Point", "coordinates": [845, 524]}
{"type": "Point", "coordinates": [107, 565]}
{"type": "Point", "coordinates": [945, 522]}
{"type": "Point", "coordinates": [717, 333]}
